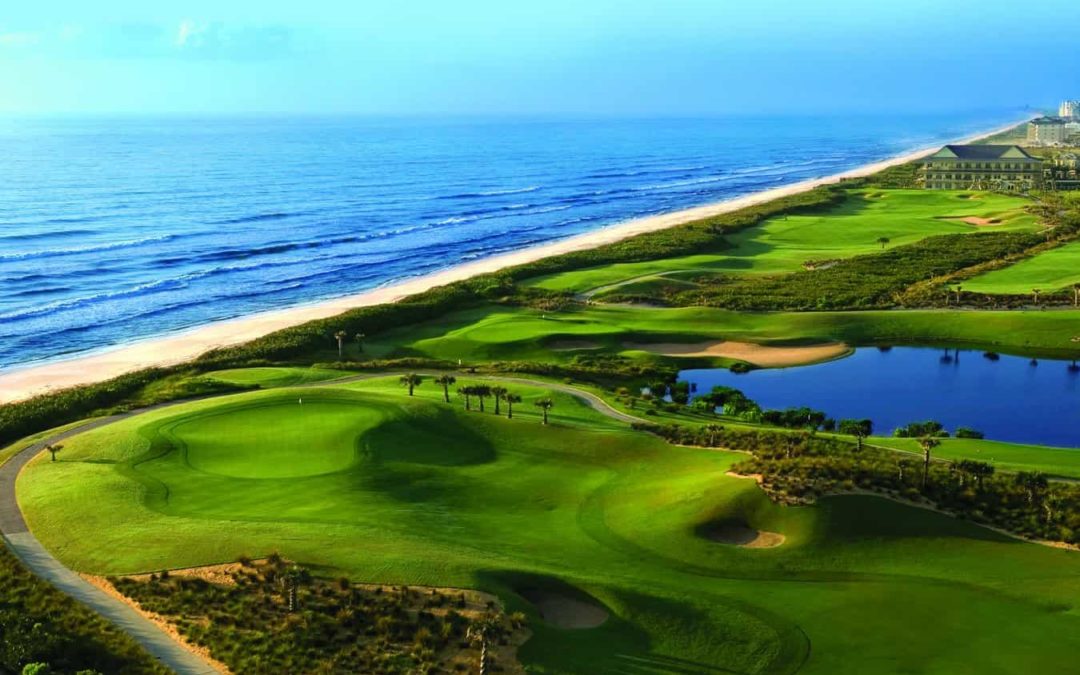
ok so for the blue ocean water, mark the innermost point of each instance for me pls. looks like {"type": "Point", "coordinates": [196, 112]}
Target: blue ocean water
{"type": "Point", "coordinates": [113, 229]}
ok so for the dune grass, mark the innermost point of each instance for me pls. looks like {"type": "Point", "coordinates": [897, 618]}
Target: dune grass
{"type": "Point", "coordinates": [1049, 271]}
{"type": "Point", "coordinates": [853, 227]}
{"type": "Point", "coordinates": [431, 494]}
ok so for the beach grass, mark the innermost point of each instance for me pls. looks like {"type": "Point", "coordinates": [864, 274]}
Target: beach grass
{"type": "Point", "coordinates": [419, 491]}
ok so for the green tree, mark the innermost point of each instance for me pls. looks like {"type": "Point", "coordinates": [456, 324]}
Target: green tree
{"type": "Point", "coordinates": [713, 430]}
{"type": "Point", "coordinates": [928, 443]}
{"type": "Point", "coordinates": [545, 404]}
{"type": "Point", "coordinates": [53, 449]}
{"type": "Point", "coordinates": [1034, 484]}
{"type": "Point", "coordinates": [481, 392]}
{"type": "Point", "coordinates": [511, 399]}
{"type": "Point", "coordinates": [466, 392]}
{"type": "Point", "coordinates": [359, 337]}
{"type": "Point", "coordinates": [445, 381]}
{"type": "Point", "coordinates": [884, 241]}
{"type": "Point", "coordinates": [412, 381]}
{"type": "Point", "coordinates": [499, 394]}
{"type": "Point", "coordinates": [291, 579]}
{"type": "Point", "coordinates": [860, 429]}
{"type": "Point", "coordinates": [340, 337]}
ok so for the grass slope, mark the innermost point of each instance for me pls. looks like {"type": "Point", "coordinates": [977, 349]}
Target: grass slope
{"type": "Point", "coordinates": [435, 495]}
{"type": "Point", "coordinates": [1050, 271]}
{"type": "Point", "coordinates": [783, 244]}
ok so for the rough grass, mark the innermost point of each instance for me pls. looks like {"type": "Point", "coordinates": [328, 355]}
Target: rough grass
{"type": "Point", "coordinates": [584, 503]}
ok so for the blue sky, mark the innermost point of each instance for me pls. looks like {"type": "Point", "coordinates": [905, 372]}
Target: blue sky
{"type": "Point", "coordinates": [595, 57]}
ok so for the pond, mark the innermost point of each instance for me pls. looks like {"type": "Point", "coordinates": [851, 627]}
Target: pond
{"type": "Point", "coordinates": [1008, 398]}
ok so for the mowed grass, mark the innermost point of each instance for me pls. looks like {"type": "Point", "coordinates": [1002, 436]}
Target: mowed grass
{"type": "Point", "coordinates": [434, 495]}
{"type": "Point", "coordinates": [852, 228]}
{"type": "Point", "coordinates": [1050, 271]}
{"type": "Point", "coordinates": [517, 333]}
{"type": "Point", "coordinates": [1062, 462]}
{"type": "Point", "coordinates": [267, 377]}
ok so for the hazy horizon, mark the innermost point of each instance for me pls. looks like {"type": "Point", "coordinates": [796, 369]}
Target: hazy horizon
{"type": "Point", "coordinates": [561, 58]}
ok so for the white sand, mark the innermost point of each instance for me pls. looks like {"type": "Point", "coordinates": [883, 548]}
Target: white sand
{"type": "Point", "coordinates": [20, 383]}
{"type": "Point", "coordinates": [766, 356]}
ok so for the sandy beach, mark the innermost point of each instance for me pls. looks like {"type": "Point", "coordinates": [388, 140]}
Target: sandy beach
{"type": "Point", "coordinates": [23, 382]}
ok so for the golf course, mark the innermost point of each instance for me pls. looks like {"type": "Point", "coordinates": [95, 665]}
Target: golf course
{"type": "Point", "coordinates": [360, 479]}
{"type": "Point", "coordinates": [525, 438]}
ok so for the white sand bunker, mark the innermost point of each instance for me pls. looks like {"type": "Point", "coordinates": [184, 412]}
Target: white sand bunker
{"type": "Point", "coordinates": [974, 220]}
{"type": "Point", "coordinates": [765, 356]}
{"type": "Point", "coordinates": [737, 534]}
{"type": "Point", "coordinates": [562, 611]}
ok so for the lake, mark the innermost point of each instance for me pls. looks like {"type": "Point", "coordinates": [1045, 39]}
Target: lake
{"type": "Point", "coordinates": [1008, 398]}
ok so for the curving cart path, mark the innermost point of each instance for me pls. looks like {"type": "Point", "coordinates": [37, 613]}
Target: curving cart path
{"type": "Point", "coordinates": [157, 642]}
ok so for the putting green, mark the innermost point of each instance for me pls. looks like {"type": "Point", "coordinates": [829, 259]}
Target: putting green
{"type": "Point", "coordinates": [272, 440]}
{"type": "Point", "coordinates": [437, 495]}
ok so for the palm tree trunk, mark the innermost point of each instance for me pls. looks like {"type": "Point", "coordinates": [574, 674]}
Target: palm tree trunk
{"type": "Point", "coordinates": [496, 405]}
{"type": "Point", "coordinates": [545, 415]}
{"type": "Point", "coordinates": [446, 392]}
{"type": "Point", "coordinates": [481, 403]}
{"type": "Point", "coordinates": [410, 389]}
{"type": "Point", "coordinates": [509, 410]}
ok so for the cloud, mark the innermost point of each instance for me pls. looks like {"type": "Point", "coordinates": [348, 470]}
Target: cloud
{"type": "Point", "coordinates": [25, 39]}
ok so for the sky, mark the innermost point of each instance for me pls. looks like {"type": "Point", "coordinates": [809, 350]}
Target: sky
{"type": "Point", "coordinates": [528, 57]}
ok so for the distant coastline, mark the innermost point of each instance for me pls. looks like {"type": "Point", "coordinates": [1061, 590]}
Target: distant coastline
{"type": "Point", "coordinates": [22, 382]}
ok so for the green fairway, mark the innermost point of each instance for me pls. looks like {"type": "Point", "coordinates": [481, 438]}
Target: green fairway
{"type": "Point", "coordinates": [360, 479]}
{"type": "Point", "coordinates": [1050, 271]}
{"type": "Point", "coordinates": [1064, 462]}
{"type": "Point", "coordinates": [276, 377]}
{"type": "Point", "coordinates": [854, 227]}
{"type": "Point", "coordinates": [515, 333]}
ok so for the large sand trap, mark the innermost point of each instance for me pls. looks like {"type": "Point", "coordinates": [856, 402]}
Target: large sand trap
{"type": "Point", "coordinates": [21, 383]}
{"type": "Point", "coordinates": [975, 220]}
{"type": "Point", "coordinates": [737, 534]}
{"type": "Point", "coordinates": [765, 356]}
{"type": "Point", "coordinates": [562, 611]}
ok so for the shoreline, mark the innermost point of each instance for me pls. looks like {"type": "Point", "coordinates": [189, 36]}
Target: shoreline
{"type": "Point", "coordinates": [23, 382]}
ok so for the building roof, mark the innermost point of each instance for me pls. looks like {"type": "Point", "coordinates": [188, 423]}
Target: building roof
{"type": "Point", "coordinates": [984, 152]}
{"type": "Point", "coordinates": [1047, 120]}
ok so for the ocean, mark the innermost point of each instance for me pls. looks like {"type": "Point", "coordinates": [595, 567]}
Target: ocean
{"type": "Point", "coordinates": [114, 229]}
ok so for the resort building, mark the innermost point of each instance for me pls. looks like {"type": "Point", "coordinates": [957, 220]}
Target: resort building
{"type": "Point", "coordinates": [1063, 172]}
{"type": "Point", "coordinates": [1046, 131]}
{"type": "Point", "coordinates": [982, 167]}
{"type": "Point", "coordinates": [1069, 109]}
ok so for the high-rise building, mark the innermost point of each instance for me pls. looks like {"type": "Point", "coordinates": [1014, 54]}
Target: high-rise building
{"type": "Point", "coordinates": [1069, 109]}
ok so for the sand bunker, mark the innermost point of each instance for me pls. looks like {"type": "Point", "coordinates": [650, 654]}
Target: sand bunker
{"type": "Point", "coordinates": [737, 534]}
{"type": "Point", "coordinates": [571, 345]}
{"type": "Point", "coordinates": [563, 611]}
{"type": "Point", "coordinates": [760, 355]}
{"type": "Point", "coordinates": [974, 220]}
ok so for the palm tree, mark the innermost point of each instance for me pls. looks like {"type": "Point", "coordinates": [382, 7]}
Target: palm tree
{"type": "Point", "coordinates": [713, 430]}
{"type": "Point", "coordinates": [545, 404]}
{"type": "Point", "coordinates": [511, 399]}
{"type": "Point", "coordinates": [359, 337]}
{"type": "Point", "coordinates": [1035, 292]}
{"type": "Point", "coordinates": [291, 579]}
{"type": "Point", "coordinates": [1034, 483]}
{"type": "Point", "coordinates": [884, 241]}
{"type": "Point", "coordinates": [959, 290]}
{"type": "Point", "coordinates": [466, 391]}
{"type": "Point", "coordinates": [340, 337]}
{"type": "Point", "coordinates": [928, 443]}
{"type": "Point", "coordinates": [53, 449]}
{"type": "Point", "coordinates": [412, 380]}
{"type": "Point", "coordinates": [498, 393]}
{"type": "Point", "coordinates": [445, 381]}
{"type": "Point", "coordinates": [481, 391]}
{"type": "Point", "coordinates": [860, 429]}
{"type": "Point", "coordinates": [1076, 296]}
